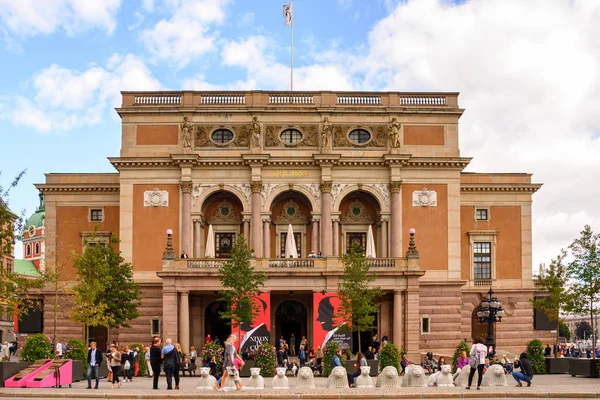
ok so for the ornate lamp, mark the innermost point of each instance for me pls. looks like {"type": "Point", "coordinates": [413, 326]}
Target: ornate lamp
{"type": "Point", "coordinates": [490, 311]}
{"type": "Point", "coordinates": [169, 253]}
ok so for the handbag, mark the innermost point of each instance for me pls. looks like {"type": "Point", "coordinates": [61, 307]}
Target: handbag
{"type": "Point", "coordinates": [474, 359]}
{"type": "Point", "coordinates": [127, 365]}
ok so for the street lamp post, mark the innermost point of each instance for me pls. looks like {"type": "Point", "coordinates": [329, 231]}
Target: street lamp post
{"type": "Point", "coordinates": [490, 311]}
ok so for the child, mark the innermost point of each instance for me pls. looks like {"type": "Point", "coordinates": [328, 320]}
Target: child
{"type": "Point", "coordinates": [238, 364]}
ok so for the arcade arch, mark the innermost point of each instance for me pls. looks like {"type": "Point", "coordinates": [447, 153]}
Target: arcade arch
{"type": "Point", "coordinates": [223, 211]}
{"type": "Point", "coordinates": [291, 208]}
{"type": "Point", "coordinates": [357, 211]}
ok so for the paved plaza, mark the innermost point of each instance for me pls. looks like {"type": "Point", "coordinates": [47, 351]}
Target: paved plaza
{"type": "Point", "coordinates": [555, 386]}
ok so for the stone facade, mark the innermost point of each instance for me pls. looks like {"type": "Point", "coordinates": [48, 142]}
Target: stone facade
{"type": "Point", "coordinates": [331, 165]}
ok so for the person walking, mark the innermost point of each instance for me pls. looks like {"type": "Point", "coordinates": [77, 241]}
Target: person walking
{"type": "Point", "coordinates": [229, 361]}
{"type": "Point", "coordinates": [147, 360]}
{"type": "Point", "coordinates": [94, 359]}
{"type": "Point", "coordinates": [115, 364]}
{"type": "Point", "coordinates": [155, 361]}
{"type": "Point", "coordinates": [526, 373]}
{"type": "Point", "coordinates": [179, 357]}
{"type": "Point", "coordinates": [302, 356]}
{"type": "Point", "coordinates": [477, 362]}
{"type": "Point", "coordinates": [136, 361]}
{"type": "Point", "coordinates": [292, 345]}
{"type": "Point", "coordinates": [168, 354]}
{"type": "Point", "coordinates": [193, 356]}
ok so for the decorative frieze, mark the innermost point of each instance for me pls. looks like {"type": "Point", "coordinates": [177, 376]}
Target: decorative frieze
{"type": "Point", "coordinates": [383, 189]}
{"type": "Point", "coordinates": [424, 198]}
{"type": "Point", "coordinates": [313, 189]}
{"type": "Point", "coordinates": [268, 188]}
{"type": "Point", "coordinates": [336, 189]}
{"type": "Point", "coordinates": [340, 136]}
{"type": "Point", "coordinates": [156, 198]}
{"type": "Point", "coordinates": [310, 136]}
{"type": "Point", "coordinates": [241, 135]}
{"type": "Point", "coordinates": [244, 188]}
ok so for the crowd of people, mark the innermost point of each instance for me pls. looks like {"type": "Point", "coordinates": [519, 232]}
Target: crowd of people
{"type": "Point", "coordinates": [8, 349]}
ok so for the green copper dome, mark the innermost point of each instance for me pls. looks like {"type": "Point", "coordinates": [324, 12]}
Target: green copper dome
{"type": "Point", "coordinates": [38, 218]}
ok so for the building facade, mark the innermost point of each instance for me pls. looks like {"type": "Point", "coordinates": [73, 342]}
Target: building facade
{"type": "Point", "coordinates": [330, 165]}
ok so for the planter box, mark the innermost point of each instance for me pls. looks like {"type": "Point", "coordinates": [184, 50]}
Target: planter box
{"type": "Point", "coordinates": [79, 372]}
{"type": "Point", "coordinates": [9, 368]}
{"type": "Point", "coordinates": [586, 367]}
{"type": "Point", "coordinates": [559, 365]}
{"type": "Point", "coordinates": [374, 364]}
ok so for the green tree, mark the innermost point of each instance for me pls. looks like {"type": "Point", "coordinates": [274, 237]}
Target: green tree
{"type": "Point", "coordinates": [563, 330]}
{"type": "Point", "coordinates": [584, 270]}
{"type": "Point", "coordinates": [106, 294]}
{"type": "Point", "coordinates": [15, 290]}
{"type": "Point", "coordinates": [553, 282]}
{"type": "Point", "coordinates": [240, 283]}
{"type": "Point", "coordinates": [583, 330]}
{"type": "Point", "coordinates": [535, 352]}
{"type": "Point", "coordinates": [358, 302]}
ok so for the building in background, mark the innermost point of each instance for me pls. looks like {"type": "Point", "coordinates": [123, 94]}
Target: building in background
{"type": "Point", "coordinates": [330, 165]}
{"type": "Point", "coordinates": [8, 263]}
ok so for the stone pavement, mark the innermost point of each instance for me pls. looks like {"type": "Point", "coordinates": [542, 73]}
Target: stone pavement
{"type": "Point", "coordinates": [555, 386]}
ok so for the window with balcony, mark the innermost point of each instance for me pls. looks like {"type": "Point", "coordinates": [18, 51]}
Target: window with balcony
{"type": "Point", "coordinates": [356, 237]}
{"type": "Point", "coordinates": [223, 244]}
{"type": "Point", "coordinates": [297, 239]}
{"type": "Point", "coordinates": [482, 260]}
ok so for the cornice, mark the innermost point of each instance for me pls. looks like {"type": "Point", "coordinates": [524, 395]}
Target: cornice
{"type": "Point", "coordinates": [54, 188]}
{"type": "Point", "coordinates": [501, 187]}
{"type": "Point", "coordinates": [141, 162]}
{"type": "Point", "coordinates": [458, 163]}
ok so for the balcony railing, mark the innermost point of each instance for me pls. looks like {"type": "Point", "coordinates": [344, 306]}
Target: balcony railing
{"type": "Point", "coordinates": [291, 263]}
{"type": "Point", "coordinates": [381, 262]}
{"type": "Point", "coordinates": [205, 262]}
{"type": "Point", "coordinates": [482, 282]}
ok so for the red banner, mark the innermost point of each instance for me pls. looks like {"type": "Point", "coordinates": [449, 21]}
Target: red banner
{"type": "Point", "coordinates": [326, 326]}
{"type": "Point", "coordinates": [259, 330]}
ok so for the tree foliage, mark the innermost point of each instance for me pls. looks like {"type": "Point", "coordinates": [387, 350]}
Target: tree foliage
{"type": "Point", "coordinates": [584, 271]}
{"type": "Point", "coordinates": [358, 301]}
{"type": "Point", "coordinates": [328, 353]}
{"type": "Point", "coordinates": [15, 290]}
{"type": "Point", "coordinates": [553, 282]}
{"type": "Point", "coordinates": [106, 294]}
{"type": "Point", "coordinates": [241, 282]}
{"type": "Point", "coordinates": [583, 330]}
{"type": "Point", "coordinates": [266, 359]}
{"type": "Point", "coordinates": [535, 352]}
{"type": "Point", "coordinates": [390, 356]}
{"type": "Point", "coordinates": [37, 347]}
{"type": "Point", "coordinates": [563, 330]}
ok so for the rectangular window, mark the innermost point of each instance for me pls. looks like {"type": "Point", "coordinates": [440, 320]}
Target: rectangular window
{"type": "Point", "coordinates": [297, 238]}
{"type": "Point", "coordinates": [356, 237]}
{"type": "Point", "coordinates": [482, 258]}
{"type": "Point", "coordinates": [223, 244]}
{"type": "Point", "coordinates": [425, 325]}
{"type": "Point", "coordinates": [96, 215]}
{"type": "Point", "coordinates": [481, 214]}
{"type": "Point", "coordinates": [155, 327]}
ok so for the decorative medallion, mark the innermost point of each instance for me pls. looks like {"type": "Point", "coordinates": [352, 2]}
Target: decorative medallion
{"type": "Point", "coordinates": [357, 212]}
{"type": "Point", "coordinates": [290, 214]}
{"type": "Point", "coordinates": [224, 214]}
{"type": "Point", "coordinates": [424, 198]}
{"type": "Point", "coordinates": [156, 198]}
{"type": "Point", "coordinates": [310, 136]}
{"type": "Point", "coordinates": [241, 136]}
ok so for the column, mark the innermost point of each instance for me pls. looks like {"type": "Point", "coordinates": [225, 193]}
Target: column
{"type": "Point", "coordinates": [197, 238]}
{"type": "Point", "coordinates": [413, 323]}
{"type": "Point", "coordinates": [247, 230]}
{"type": "Point", "coordinates": [384, 238]}
{"type": "Point", "coordinates": [256, 220]}
{"type": "Point", "coordinates": [169, 322]}
{"type": "Point", "coordinates": [184, 321]}
{"type": "Point", "coordinates": [336, 237]}
{"type": "Point", "coordinates": [267, 237]}
{"type": "Point", "coordinates": [397, 334]}
{"type": "Point", "coordinates": [314, 245]}
{"type": "Point", "coordinates": [396, 219]}
{"type": "Point", "coordinates": [186, 217]}
{"type": "Point", "coordinates": [326, 217]}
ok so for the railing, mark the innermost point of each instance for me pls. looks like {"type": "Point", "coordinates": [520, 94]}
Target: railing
{"type": "Point", "coordinates": [381, 262]}
{"type": "Point", "coordinates": [291, 263]}
{"type": "Point", "coordinates": [482, 282]}
{"type": "Point", "coordinates": [291, 99]}
{"type": "Point", "coordinates": [423, 100]}
{"type": "Point", "coordinates": [537, 283]}
{"type": "Point", "coordinates": [223, 99]}
{"type": "Point", "coordinates": [157, 99]}
{"type": "Point", "coordinates": [205, 262]}
{"type": "Point", "coordinates": [359, 100]}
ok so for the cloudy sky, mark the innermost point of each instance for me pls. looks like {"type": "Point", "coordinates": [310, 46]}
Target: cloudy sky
{"type": "Point", "coordinates": [527, 71]}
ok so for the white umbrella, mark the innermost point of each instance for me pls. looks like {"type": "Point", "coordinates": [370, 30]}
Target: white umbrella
{"type": "Point", "coordinates": [209, 251]}
{"type": "Point", "coordinates": [290, 244]}
{"type": "Point", "coordinates": [370, 244]}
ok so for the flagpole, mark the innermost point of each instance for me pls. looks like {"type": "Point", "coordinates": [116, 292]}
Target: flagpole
{"type": "Point", "coordinates": [292, 51]}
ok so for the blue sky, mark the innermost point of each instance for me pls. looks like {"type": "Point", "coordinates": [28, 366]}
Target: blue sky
{"type": "Point", "coordinates": [528, 84]}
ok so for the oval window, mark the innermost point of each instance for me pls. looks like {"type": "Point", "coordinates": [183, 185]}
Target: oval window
{"type": "Point", "coordinates": [359, 136]}
{"type": "Point", "coordinates": [290, 136]}
{"type": "Point", "coordinates": [222, 136]}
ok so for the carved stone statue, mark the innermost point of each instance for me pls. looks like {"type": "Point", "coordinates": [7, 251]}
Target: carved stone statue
{"type": "Point", "coordinates": [280, 381]}
{"type": "Point", "coordinates": [255, 132]}
{"type": "Point", "coordinates": [414, 376]}
{"type": "Point", "coordinates": [494, 376]}
{"type": "Point", "coordinates": [338, 378]}
{"type": "Point", "coordinates": [306, 379]}
{"type": "Point", "coordinates": [326, 131]}
{"type": "Point", "coordinates": [255, 382]}
{"type": "Point", "coordinates": [206, 381]}
{"type": "Point", "coordinates": [394, 134]}
{"type": "Point", "coordinates": [187, 128]}
{"type": "Point", "coordinates": [388, 378]}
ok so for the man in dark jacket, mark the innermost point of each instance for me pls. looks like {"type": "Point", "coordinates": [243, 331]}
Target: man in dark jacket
{"type": "Point", "coordinates": [94, 359]}
{"type": "Point", "coordinates": [155, 361]}
{"type": "Point", "coordinates": [526, 373]}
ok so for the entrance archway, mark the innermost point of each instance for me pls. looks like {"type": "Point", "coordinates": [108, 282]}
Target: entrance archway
{"type": "Point", "coordinates": [214, 325]}
{"type": "Point", "coordinates": [99, 334]}
{"type": "Point", "coordinates": [366, 338]}
{"type": "Point", "coordinates": [291, 317]}
{"type": "Point", "coordinates": [479, 329]}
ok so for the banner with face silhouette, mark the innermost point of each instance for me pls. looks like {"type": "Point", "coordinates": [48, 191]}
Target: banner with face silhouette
{"type": "Point", "coordinates": [326, 326]}
{"type": "Point", "coordinates": [257, 332]}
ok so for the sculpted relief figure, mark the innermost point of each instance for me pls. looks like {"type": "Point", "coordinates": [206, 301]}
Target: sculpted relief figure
{"type": "Point", "coordinates": [255, 132]}
{"type": "Point", "coordinates": [326, 131]}
{"type": "Point", "coordinates": [187, 128]}
{"type": "Point", "coordinates": [394, 134]}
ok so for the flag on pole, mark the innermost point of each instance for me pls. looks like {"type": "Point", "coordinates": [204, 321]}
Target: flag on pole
{"type": "Point", "coordinates": [287, 13]}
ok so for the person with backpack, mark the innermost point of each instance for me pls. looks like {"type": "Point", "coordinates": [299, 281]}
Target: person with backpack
{"type": "Point", "coordinates": [526, 373]}
{"type": "Point", "coordinates": [477, 362]}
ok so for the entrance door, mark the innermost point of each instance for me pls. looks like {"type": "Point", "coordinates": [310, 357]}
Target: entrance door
{"type": "Point", "coordinates": [99, 334]}
{"type": "Point", "coordinates": [356, 237]}
{"type": "Point", "coordinates": [291, 317]}
{"type": "Point", "coordinates": [297, 239]}
{"type": "Point", "coordinates": [215, 326]}
{"type": "Point", "coordinates": [223, 244]}
{"type": "Point", "coordinates": [479, 329]}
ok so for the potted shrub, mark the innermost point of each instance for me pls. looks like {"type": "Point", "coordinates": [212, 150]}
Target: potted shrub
{"type": "Point", "coordinates": [266, 359]}
{"type": "Point", "coordinates": [330, 349]}
{"type": "Point", "coordinates": [535, 352]}
{"type": "Point", "coordinates": [462, 346]}
{"type": "Point", "coordinates": [390, 356]}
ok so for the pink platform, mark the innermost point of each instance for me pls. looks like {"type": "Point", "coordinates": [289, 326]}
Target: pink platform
{"type": "Point", "coordinates": [20, 379]}
{"type": "Point", "coordinates": [58, 373]}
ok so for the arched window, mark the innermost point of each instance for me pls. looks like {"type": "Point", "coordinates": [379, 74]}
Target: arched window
{"type": "Point", "coordinates": [359, 136]}
{"type": "Point", "coordinates": [290, 136]}
{"type": "Point", "coordinates": [28, 250]}
{"type": "Point", "coordinates": [37, 248]}
{"type": "Point", "coordinates": [222, 136]}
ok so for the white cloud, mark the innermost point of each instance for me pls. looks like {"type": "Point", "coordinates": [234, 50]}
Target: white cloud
{"type": "Point", "coordinates": [32, 17]}
{"type": "Point", "coordinates": [67, 99]}
{"type": "Point", "coordinates": [187, 34]}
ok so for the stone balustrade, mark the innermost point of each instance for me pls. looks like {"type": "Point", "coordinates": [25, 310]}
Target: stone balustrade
{"type": "Point", "coordinates": [292, 263]}
{"type": "Point", "coordinates": [232, 99]}
{"type": "Point", "coordinates": [381, 262]}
